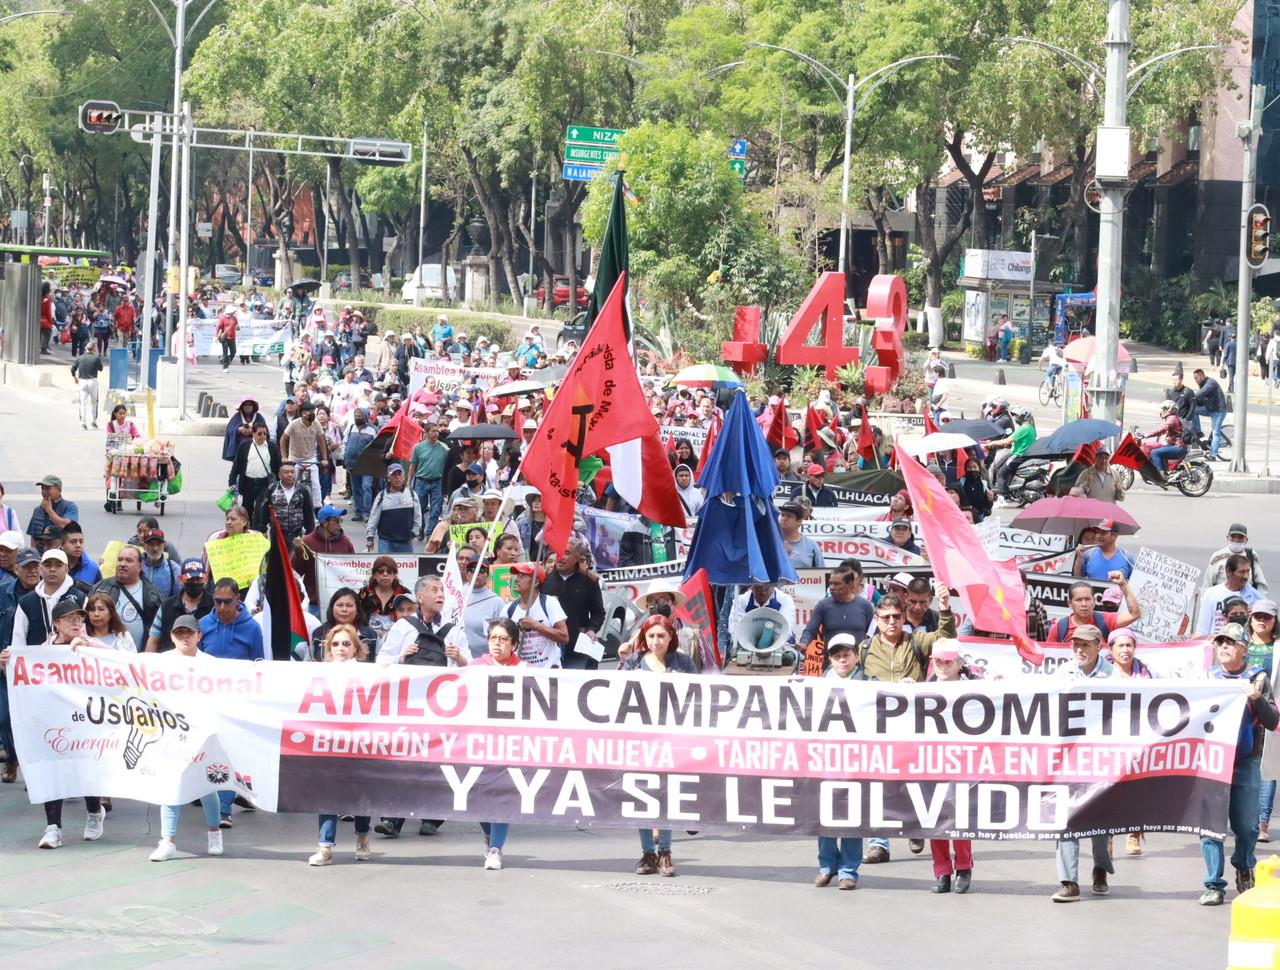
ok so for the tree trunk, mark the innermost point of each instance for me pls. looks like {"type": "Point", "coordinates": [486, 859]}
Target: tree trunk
{"type": "Point", "coordinates": [347, 213]}
{"type": "Point", "coordinates": [978, 217]}
{"type": "Point", "coordinates": [878, 205]}
{"type": "Point", "coordinates": [936, 254]}
{"type": "Point", "coordinates": [489, 196]}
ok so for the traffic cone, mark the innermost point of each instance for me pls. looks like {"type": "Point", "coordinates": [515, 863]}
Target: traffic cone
{"type": "Point", "coordinates": [1255, 921]}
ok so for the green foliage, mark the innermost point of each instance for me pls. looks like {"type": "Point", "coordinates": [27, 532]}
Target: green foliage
{"type": "Point", "coordinates": [973, 350]}
{"type": "Point", "coordinates": [1262, 315]}
{"type": "Point", "coordinates": [915, 340]}
{"type": "Point", "coordinates": [1160, 311]}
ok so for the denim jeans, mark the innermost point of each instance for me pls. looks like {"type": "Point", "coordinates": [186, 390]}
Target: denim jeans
{"type": "Point", "coordinates": [1242, 816]}
{"type": "Point", "coordinates": [169, 815]}
{"type": "Point", "coordinates": [430, 498]}
{"type": "Point", "coordinates": [225, 800]}
{"type": "Point", "coordinates": [1165, 453]}
{"type": "Point", "coordinates": [1266, 800]}
{"type": "Point", "coordinates": [1069, 857]}
{"type": "Point", "coordinates": [1216, 419]}
{"type": "Point", "coordinates": [647, 844]}
{"type": "Point", "coordinates": [878, 843]}
{"type": "Point", "coordinates": [361, 493]}
{"type": "Point", "coordinates": [840, 856]}
{"type": "Point", "coordinates": [387, 546]}
{"type": "Point", "coordinates": [496, 833]}
{"type": "Point", "coordinates": [329, 828]}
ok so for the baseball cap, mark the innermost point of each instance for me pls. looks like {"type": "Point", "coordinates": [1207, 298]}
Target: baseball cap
{"type": "Point", "coordinates": [28, 557]}
{"type": "Point", "coordinates": [795, 508]}
{"type": "Point", "coordinates": [50, 480]}
{"type": "Point", "coordinates": [902, 579]}
{"type": "Point", "coordinates": [11, 540]}
{"type": "Point", "coordinates": [463, 403]}
{"type": "Point", "coordinates": [840, 642]}
{"type": "Point", "coordinates": [1233, 632]}
{"type": "Point", "coordinates": [185, 623]}
{"type": "Point", "coordinates": [146, 535]}
{"type": "Point", "coordinates": [328, 512]}
{"type": "Point", "coordinates": [901, 520]}
{"type": "Point", "coordinates": [50, 532]}
{"type": "Point", "coordinates": [532, 569]}
{"type": "Point", "coordinates": [393, 468]}
{"type": "Point", "coordinates": [815, 469]}
{"type": "Point", "coordinates": [1265, 606]}
{"type": "Point", "coordinates": [57, 554]}
{"type": "Point", "coordinates": [529, 425]}
{"type": "Point", "coordinates": [66, 606]}
{"type": "Point", "coordinates": [475, 468]}
{"type": "Point", "coordinates": [946, 649]}
{"type": "Point", "coordinates": [1087, 631]}
{"type": "Point", "coordinates": [1106, 525]}
{"type": "Point", "coordinates": [1238, 529]}
{"type": "Point", "coordinates": [193, 569]}
{"type": "Point", "coordinates": [402, 598]}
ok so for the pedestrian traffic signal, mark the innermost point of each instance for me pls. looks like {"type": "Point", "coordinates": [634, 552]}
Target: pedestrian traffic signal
{"type": "Point", "coordinates": [1259, 241]}
{"type": "Point", "coordinates": [100, 117]}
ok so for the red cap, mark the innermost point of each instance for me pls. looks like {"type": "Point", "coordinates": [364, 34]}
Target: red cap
{"type": "Point", "coordinates": [1106, 525]}
{"type": "Point", "coordinates": [529, 569]}
{"type": "Point", "coordinates": [815, 469]}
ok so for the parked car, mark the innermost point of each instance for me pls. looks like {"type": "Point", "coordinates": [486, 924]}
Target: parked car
{"type": "Point", "coordinates": [560, 293]}
{"type": "Point", "coordinates": [575, 330]}
{"type": "Point", "coordinates": [228, 274]}
{"type": "Point", "coordinates": [262, 277]}
{"type": "Point", "coordinates": [342, 282]}
{"type": "Point", "coordinates": [427, 281]}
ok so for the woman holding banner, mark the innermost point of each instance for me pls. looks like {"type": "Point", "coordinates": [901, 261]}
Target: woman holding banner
{"type": "Point", "coordinates": [656, 653]}
{"type": "Point", "coordinates": [1262, 642]}
{"type": "Point", "coordinates": [344, 608]}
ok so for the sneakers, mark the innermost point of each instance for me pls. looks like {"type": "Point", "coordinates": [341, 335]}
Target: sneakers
{"type": "Point", "coordinates": [244, 803]}
{"type": "Point", "coordinates": [388, 828]}
{"type": "Point", "coordinates": [1133, 843]}
{"type": "Point", "coordinates": [1212, 897]}
{"type": "Point", "coordinates": [878, 854]}
{"type": "Point", "coordinates": [665, 866]}
{"type": "Point", "coordinates": [493, 859]}
{"type": "Point", "coordinates": [823, 879]}
{"type": "Point", "coordinates": [362, 848]}
{"type": "Point", "coordinates": [93, 825]}
{"type": "Point", "coordinates": [964, 878]}
{"type": "Point", "coordinates": [915, 845]}
{"type": "Point", "coordinates": [1069, 893]}
{"type": "Point", "coordinates": [225, 822]}
{"type": "Point", "coordinates": [1264, 828]}
{"type": "Point", "coordinates": [1244, 880]}
{"type": "Point", "coordinates": [1100, 887]}
{"type": "Point", "coordinates": [52, 838]}
{"type": "Point", "coordinates": [165, 851]}
{"type": "Point", "coordinates": [322, 857]}
{"type": "Point", "coordinates": [647, 865]}
{"type": "Point", "coordinates": [215, 842]}
{"type": "Point", "coordinates": [427, 827]}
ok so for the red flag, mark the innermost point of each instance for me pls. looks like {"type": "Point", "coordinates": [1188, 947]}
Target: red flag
{"type": "Point", "coordinates": [777, 430]}
{"type": "Point", "coordinates": [1085, 454]}
{"type": "Point", "coordinates": [834, 427]}
{"type": "Point", "coordinates": [713, 432]}
{"type": "Point", "coordinates": [699, 611]}
{"type": "Point", "coordinates": [288, 626]}
{"type": "Point", "coordinates": [994, 590]}
{"type": "Point", "coordinates": [600, 405]}
{"type": "Point", "coordinates": [867, 441]}
{"type": "Point", "coordinates": [929, 426]}
{"type": "Point", "coordinates": [1130, 454]}
{"type": "Point", "coordinates": [406, 433]}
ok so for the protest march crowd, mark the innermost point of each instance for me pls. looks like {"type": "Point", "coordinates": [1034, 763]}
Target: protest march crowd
{"type": "Point", "coordinates": [497, 533]}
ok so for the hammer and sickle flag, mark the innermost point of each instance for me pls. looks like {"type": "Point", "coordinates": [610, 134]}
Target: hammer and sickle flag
{"type": "Point", "coordinates": [600, 404]}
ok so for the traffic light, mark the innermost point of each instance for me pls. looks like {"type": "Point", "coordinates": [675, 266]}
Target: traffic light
{"type": "Point", "coordinates": [100, 117]}
{"type": "Point", "coordinates": [1259, 241]}
{"type": "Point", "coordinates": [379, 151]}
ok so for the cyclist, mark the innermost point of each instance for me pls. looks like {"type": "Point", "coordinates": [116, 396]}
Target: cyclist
{"type": "Point", "coordinates": [1056, 360]}
{"type": "Point", "coordinates": [1174, 446]}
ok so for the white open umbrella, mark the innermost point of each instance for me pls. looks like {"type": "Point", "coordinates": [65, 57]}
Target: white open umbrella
{"type": "Point", "coordinates": [939, 441]}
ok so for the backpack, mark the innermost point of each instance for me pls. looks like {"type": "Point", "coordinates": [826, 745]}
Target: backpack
{"type": "Point", "coordinates": [1062, 623]}
{"type": "Point", "coordinates": [430, 645]}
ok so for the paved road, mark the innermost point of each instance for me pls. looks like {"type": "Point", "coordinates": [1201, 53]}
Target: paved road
{"type": "Point", "coordinates": [568, 898]}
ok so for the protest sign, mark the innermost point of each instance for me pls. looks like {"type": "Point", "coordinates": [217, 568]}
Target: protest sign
{"type": "Point", "coordinates": [1056, 563]}
{"type": "Point", "coordinates": [1053, 592]}
{"type": "Point", "coordinates": [605, 531]}
{"type": "Point", "coordinates": [500, 581]}
{"type": "Point", "coordinates": [773, 756]}
{"type": "Point", "coordinates": [108, 558]}
{"type": "Point", "coordinates": [1166, 588]}
{"type": "Point", "coordinates": [461, 535]}
{"type": "Point", "coordinates": [236, 557]}
{"type": "Point", "coordinates": [1185, 660]}
{"type": "Point", "coordinates": [253, 337]}
{"type": "Point", "coordinates": [844, 496]}
{"type": "Point", "coordinates": [336, 570]}
{"type": "Point", "coordinates": [867, 551]}
{"type": "Point", "coordinates": [449, 376]}
{"type": "Point", "coordinates": [73, 275]}
{"type": "Point", "coordinates": [632, 580]}
{"type": "Point", "coordinates": [696, 437]}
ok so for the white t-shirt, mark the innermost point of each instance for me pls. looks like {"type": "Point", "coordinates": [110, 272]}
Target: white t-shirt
{"type": "Point", "coordinates": [535, 649]}
{"type": "Point", "coordinates": [129, 616]}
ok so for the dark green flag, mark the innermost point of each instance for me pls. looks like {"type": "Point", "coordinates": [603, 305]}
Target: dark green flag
{"type": "Point", "coordinates": [613, 256]}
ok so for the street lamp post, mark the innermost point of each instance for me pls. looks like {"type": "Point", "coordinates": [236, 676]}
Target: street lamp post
{"type": "Point", "coordinates": [1248, 132]}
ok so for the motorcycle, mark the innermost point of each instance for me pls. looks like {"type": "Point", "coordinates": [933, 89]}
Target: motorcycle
{"type": "Point", "coordinates": [1030, 482]}
{"type": "Point", "coordinates": [1191, 474]}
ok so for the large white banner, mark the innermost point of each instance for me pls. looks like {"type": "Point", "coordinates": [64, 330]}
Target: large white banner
{"type": "Point", "coordinates": [1035, 759]}
{"type": "Point", "coordinates": [253, 337]}
{"type": "Point", "coordinates": [449, 376]}
{"type": "Point", "coordinates": [1186, 660]}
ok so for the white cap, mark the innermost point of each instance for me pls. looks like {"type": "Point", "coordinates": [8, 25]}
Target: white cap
{"type": "Point", "coordinates": [11, 540]}
{"type": "Point", "coordinates": [57, 554]}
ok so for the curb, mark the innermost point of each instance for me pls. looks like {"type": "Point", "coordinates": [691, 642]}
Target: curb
{"type": "Point", "coordinates": [1246, 484]}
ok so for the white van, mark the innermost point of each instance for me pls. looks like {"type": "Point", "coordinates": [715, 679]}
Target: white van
{"type": "Point", "coordinates": [427, 283]}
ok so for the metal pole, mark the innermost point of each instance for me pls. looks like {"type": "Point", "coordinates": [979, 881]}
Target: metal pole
{"type": "Point", "coordinates": [1248, 132]}
{"type": "Point", "coordinates": [248, 221]}
{"type": "Point", "coordinates": [1266, 458]}
{"type": "Point", "coordinates": [45, 184]}
{"type": "Point", "coordinates": [184, 259]}
{"type": "Point", "coordinates": [533, 228]}
{"type": "Point", "coordinates": [175, 161]}
{"type": "Point", "coordinates": [844, 178]}
{"type": "Point", "coordinates": [422, 223]}
{"type": "Point", "coordinates": [324, 251]}
{"type": "Point", "coordinates": [1031, 291]}
{"type": "Point", "coordinates": [62, 227]}
{"type": "Point", "coordinates": [148, 268]}
{"type": "Point", "coordinates": [1111, 222]}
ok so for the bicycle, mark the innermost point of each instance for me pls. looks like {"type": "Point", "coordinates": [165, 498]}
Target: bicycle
{"type": "Point", "coordinates": [1051, 392]}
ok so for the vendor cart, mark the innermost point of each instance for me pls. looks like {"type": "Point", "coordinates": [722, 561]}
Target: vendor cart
{"type": "Point", "coordinates": [137, 473]}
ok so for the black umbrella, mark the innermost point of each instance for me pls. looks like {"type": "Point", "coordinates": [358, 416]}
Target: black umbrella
{"type": "Point", "coordinates": [306, 283]}
{"type": "Point", "coordinates": [482, 432]}
{"type": "Point", "coordinates": [979, 429]}
{"type": "Point", "coordinates": [1043, 449]}
{"type": "Point", "coordinates": [373, 461]}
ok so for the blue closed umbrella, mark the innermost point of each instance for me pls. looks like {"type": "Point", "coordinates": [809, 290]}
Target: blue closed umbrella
{"type": "Point", "coordinates": [1082, 432]}
{"type": "Point", "coordinates": [737, 540]}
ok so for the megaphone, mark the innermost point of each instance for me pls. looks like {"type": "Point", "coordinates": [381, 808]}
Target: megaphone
{"type": "Point", "coordinates": [762, 631]}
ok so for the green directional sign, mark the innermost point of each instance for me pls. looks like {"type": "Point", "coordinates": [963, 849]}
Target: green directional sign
{"type": "Point", "coordinates": [739, 165]}
{"type": "Point", "coordinates": [586, 135]}
{"type": "Point", "coordinates": [589, 154]}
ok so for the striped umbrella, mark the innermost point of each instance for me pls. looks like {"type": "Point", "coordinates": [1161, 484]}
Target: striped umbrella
{"type": "Point", "coordinates": [707, 375]}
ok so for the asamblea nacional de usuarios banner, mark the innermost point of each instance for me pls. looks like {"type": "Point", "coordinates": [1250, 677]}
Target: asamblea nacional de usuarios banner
{"type": "Point", "coordinates": [767, 755]}
{"type": "Point", "coordinates": [254, 336]}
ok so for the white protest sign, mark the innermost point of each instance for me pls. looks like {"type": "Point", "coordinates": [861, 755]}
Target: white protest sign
{"type": "Point", "coordinates": [253, 337]}
{"type": "Point", "coordinates": [867, 551]}
{"type": "Point", "coordinates": [1166, 589]}
{"type": "Point", "coordinates": [449, 376]}
{"type": "Point", "coordinates": [336, 570]}
{"type": "Point", "coordinates": [1187, 660]}
{"type": "Point", "coordinates": [988, 532]}
{"type": "Point", "coordinates": [673, 432]}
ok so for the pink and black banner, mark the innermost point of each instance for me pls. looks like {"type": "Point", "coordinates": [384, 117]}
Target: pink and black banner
{"type": "Point", "coordinates": [1022, 758]}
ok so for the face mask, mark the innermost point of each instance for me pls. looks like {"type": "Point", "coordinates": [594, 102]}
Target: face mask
{"type": "Point", "coordinates": [660, 609]}
{"type": "Point", "coordinates": [193, 589]}
{"type": "Point", "coordinates": [1236, 547]}
{"type": "Point", "coordinates": [971, 474]}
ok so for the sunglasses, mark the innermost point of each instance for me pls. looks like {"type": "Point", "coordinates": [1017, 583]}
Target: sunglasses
{"type": "Point", "coordinates": [343, 643]}
{"type": "Point", "coordinates": [224, 602]}
{"type": "Point", "coordinates": [384, 569]}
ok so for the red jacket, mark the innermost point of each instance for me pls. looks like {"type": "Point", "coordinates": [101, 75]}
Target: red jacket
{"type": "Point", "coordinates": [305, 565]}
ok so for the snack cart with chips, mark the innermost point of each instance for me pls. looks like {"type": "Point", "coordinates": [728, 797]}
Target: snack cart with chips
{"type": "Point", "coordinates": [138, 471]}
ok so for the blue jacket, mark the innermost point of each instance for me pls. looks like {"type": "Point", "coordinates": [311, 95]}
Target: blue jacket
{"type": "Point", "coordinates": [238, 640]}
{"type": "Point", "coordinates": [64, 507]}
{"type": "Point", "coordinates": [1260, 716]}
